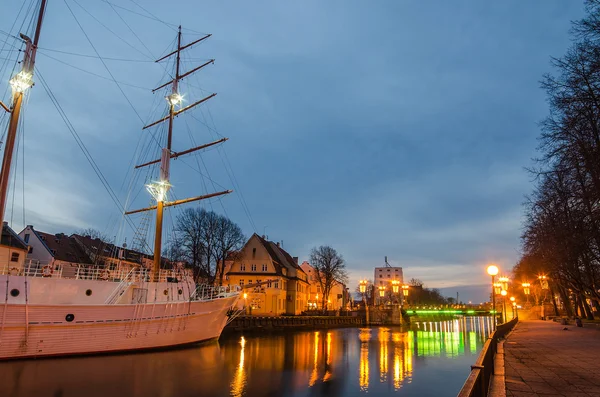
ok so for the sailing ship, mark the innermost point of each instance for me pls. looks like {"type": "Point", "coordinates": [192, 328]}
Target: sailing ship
{"type": "Point", "coordinates": [44, 314]}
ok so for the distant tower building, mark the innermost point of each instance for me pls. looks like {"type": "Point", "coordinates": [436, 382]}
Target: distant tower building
{"type": "Point", "coordinates": [383, 277]}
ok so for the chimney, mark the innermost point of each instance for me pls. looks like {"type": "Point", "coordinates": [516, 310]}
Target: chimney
{"type": "Point", "coordinates": [295, 260]}
{"type": "Point", "coordinates": [263, 236]}
{"type": "Point", "coordinates": [278, 246]}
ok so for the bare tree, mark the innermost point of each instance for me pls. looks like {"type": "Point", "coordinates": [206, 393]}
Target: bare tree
{"type": "Point", "coordinates": [94, 233]}
{"type": "Point", "coordinates": [228, 240]}
{"type": "Point", "coordinates": [205, 239]}
{"type": "Point", "coordinates": [330, 268]}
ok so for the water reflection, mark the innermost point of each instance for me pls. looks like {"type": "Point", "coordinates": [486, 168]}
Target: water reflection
{"type": "Point", "coordinates": [343, 362]}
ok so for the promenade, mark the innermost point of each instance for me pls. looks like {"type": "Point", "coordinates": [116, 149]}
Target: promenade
{"type": "Point", "coordinates": [542, 359]}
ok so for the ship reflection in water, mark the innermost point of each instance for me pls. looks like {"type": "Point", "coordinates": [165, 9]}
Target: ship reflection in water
{"type": "Point", "coordinates": [429, 358]}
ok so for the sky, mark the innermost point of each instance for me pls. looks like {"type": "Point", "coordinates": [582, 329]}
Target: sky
{"type": "Point", "coordinates": [384, 128]}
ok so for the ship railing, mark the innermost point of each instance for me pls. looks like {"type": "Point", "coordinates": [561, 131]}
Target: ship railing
{"type": "Point", "coordinates": [206, 292]}
{"type": "Point", "coordinates": [31, 268]}
{"type": "Point", "coordinates": [36, 268]}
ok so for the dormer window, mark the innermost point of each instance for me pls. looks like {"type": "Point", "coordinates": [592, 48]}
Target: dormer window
{"type": "Point", "coordinates": [243, 267]}
{"type": "Point", "coordinates": [14, 257]}
{"type": "Point", "coordinates": [264, 267]}
{"type": "Point", "coordinates": [253, 267]}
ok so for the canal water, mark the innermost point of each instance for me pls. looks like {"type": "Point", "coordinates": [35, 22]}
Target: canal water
{"type": "Point", "coordinates": [426, 359]}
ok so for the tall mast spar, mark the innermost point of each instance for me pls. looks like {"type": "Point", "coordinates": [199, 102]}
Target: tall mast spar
{"type": "Point", "coordinates": [20, 82]}
{"type": "Point", "coordinates": [159, 189]}
{"type": "Point", "coordinates": [165, 158]}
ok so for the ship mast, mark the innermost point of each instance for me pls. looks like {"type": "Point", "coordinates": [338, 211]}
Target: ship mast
{"type": "Point", "coordinates": [20, 82]}
{"type": "Point", "coordinates": [160, 188]}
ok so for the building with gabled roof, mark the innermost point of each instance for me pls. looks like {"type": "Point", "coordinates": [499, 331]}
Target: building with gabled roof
{"type": "Point", "coordinates": [273, 281]}
{"type": "Point", "coordinates": [59, 251]}
{"type": "Point", "coordinates": [13, 251]}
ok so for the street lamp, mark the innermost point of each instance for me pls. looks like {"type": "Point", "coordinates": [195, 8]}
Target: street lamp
{"type": "Point", "coordinates": [504, 293]}
{"type": "Point", "coordinates": [526, 290]}
{"type": "Point", "coordinates": [543, 285]}
{"type": "Point", "coordinates": [245, 303]}
{"type": "Point", "coordinates": [512, 299]}
{"type": "Point", "coordinates": [492, 270]}
{"type": "Point", "coordinates": [363, 286]}
{"type": "Point", "coordinates": [395, 286]}
{"type": "Point", "coordinates": [504, 282]}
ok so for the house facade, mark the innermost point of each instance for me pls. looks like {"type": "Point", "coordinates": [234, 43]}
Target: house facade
{"type": "Point", "coordinates": [337, 298]}
{"type": "Point", "coordinates": [59, 251]}
{"type": "Point", "coordinates": [272, 280]}
{"type": "Point", "coordinates": [13, 251]}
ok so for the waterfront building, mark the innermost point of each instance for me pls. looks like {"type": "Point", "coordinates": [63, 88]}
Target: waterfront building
{"type": "Point", "coordinates": [273, 281]}
{"type": "Point", "coordinates": [13, 251]}
{"type": "Point", "coordinates": [382, 278]}
{"type": "Point", "coordinates": [337, 298]}
{"type": "Point", "coordinates": [59, 251]}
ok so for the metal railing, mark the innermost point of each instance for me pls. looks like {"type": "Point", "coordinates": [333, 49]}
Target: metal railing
{"type": "Point", "coordinates": [34, 268]}
{"type": "Point", "coordinates": [205, 292]}
{"type": "Point", "coordinates": [478, 382]}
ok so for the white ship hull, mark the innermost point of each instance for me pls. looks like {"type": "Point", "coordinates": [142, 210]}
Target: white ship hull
{"type": "Point", "coordinates": [108, 328]}
{"type": "Point", "coordinates": [30, 328]}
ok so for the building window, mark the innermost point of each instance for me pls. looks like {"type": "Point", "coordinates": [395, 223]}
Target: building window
{"type": "Point", "coordinates": [241, 283]}
{"type": "Point", "coordinates": [14, 257]}
{"type": "Point", "coordinates": [253, 267]}
{"type": "Point", "coordinates": [389, 270]}
{"type": "Point", "coordinates": [380, 270]}
{"type": "Point", "coordinates": [30, 250]}
{"type": "Point", "coordinates": [243, 267]}
{"type": "Point", "coordinates": [269, 284]}
{"type": "Point", "coordinates": [389, 276]}
{"type": "Point", "coordinates": [264, 267]}
{"type": "Point", "coordinates": [27, 238]}
{"type": "Point", "coordinates": [257, 282]}
{"type": "Point", "coordinates": [319, 289]}
{"type": "Point", "coordinates": [277, 284]}
{"type": "Point", "coordinates": [381, 275]}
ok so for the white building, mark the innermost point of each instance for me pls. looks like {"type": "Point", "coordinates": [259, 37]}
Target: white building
{"type": "Point", "coordinates": [383, 277]}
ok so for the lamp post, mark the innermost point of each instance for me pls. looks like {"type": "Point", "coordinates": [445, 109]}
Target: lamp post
{"type": "Point", "coordinates": [526, 290]}
{"type": "Point", "coordinates": [395, 288]}
{"type": "Point", "coordinates": [381, 294]}
{"type": "Point", "coordinates": [363, 289]}
{"type": "Point", "coordinates": [512, 300]}
{"type": "Point", "coordinates": [543, 285]}
{"type": "Point", "coordinates": [503, 293]}
{"type": "Point", "coordinates": [492, 270]}
{"type": "Point", "coordinates": [405, 293]}
{"type": "Point", "coordinates": [245, 303]}
{"type": "Point", "coordinates": [504, 282]}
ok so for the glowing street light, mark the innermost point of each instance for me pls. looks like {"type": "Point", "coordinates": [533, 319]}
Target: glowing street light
{"type": "Point", "coordinates": [504, 282]}
{"type": "Point", "coordinates": [362, 286]}
{"type": "Point", "coordinates": [504, 293]}
{"type": "Point", "coordinates": [526, 290]}
{"type": "Point", "coordinates": [405, 290]}
{"type": "Point", "coordinates": [395, 286]}
{"type": "Point", "coordinates": [492, 270]}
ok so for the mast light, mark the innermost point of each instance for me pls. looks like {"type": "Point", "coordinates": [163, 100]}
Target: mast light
{"type": "Point", "coordinates": [21, 81]}
{"type": "Point", "coordinates": [175, 99]}
{"type": "Point", "coordinates": [158, 190]}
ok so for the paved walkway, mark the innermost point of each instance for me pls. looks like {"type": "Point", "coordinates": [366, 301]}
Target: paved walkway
{"type": "Point", "coordinates": [542, 359]}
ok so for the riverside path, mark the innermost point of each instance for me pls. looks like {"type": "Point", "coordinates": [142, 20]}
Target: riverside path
{"type": "Point", "coordinates": [543, 359]}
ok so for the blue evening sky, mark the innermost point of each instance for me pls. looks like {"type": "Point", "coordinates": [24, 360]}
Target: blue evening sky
{"type": "Point", "coordinates": [396, 128]}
